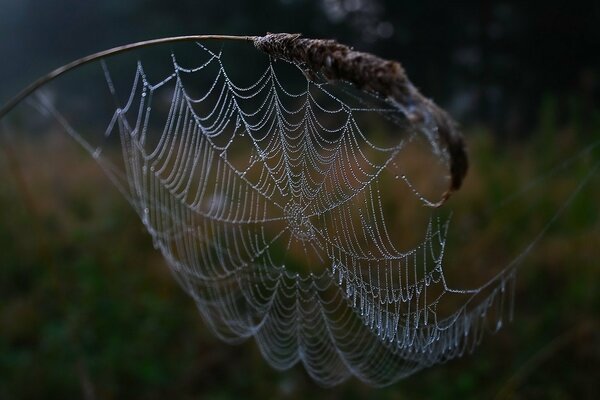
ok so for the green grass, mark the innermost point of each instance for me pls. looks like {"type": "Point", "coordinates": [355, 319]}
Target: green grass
{"type": "Point", "coordinates": [88, 306]}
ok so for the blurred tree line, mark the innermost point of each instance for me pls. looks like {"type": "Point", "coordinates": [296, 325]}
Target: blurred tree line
{"type": "Point", "coordinates": [490, 62]}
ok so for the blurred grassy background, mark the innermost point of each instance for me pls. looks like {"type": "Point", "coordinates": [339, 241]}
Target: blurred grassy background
{"type": "Point", "coordinates": [89, 308]}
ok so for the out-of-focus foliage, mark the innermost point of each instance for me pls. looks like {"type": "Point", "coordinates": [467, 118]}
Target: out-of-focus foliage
{"type": "Point", "coordinates": [90, 309]}
{"type": "Point", "coordinates": [489, 61]}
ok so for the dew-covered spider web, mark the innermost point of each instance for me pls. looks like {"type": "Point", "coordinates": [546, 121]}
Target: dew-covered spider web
{"type": "Point", "coordinates": [292, 209]}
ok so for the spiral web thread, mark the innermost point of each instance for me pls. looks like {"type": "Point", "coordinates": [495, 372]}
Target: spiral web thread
{"type": "Point", "coordinates": [237, 183]}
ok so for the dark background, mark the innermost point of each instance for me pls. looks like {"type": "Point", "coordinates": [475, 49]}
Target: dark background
{"type": "Point", "coordinates": [88, 308]}
{"type": "Point", "coordinates": [490, 61]}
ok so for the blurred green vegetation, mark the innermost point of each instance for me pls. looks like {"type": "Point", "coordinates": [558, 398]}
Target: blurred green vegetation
{"type": "Point", "coordinates": [89, 309]}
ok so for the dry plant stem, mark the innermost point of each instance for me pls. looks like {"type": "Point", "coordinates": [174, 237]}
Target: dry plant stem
{"type": "Point", "coordinates": [336, 62]}
{"type": "Point", "coordinates": [368, 72]}
{"type": "Point", "coordinates": [107, 53]}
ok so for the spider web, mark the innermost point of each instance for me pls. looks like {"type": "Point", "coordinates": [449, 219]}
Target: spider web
{"type": "Point", "coordinates": [272, 204]}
